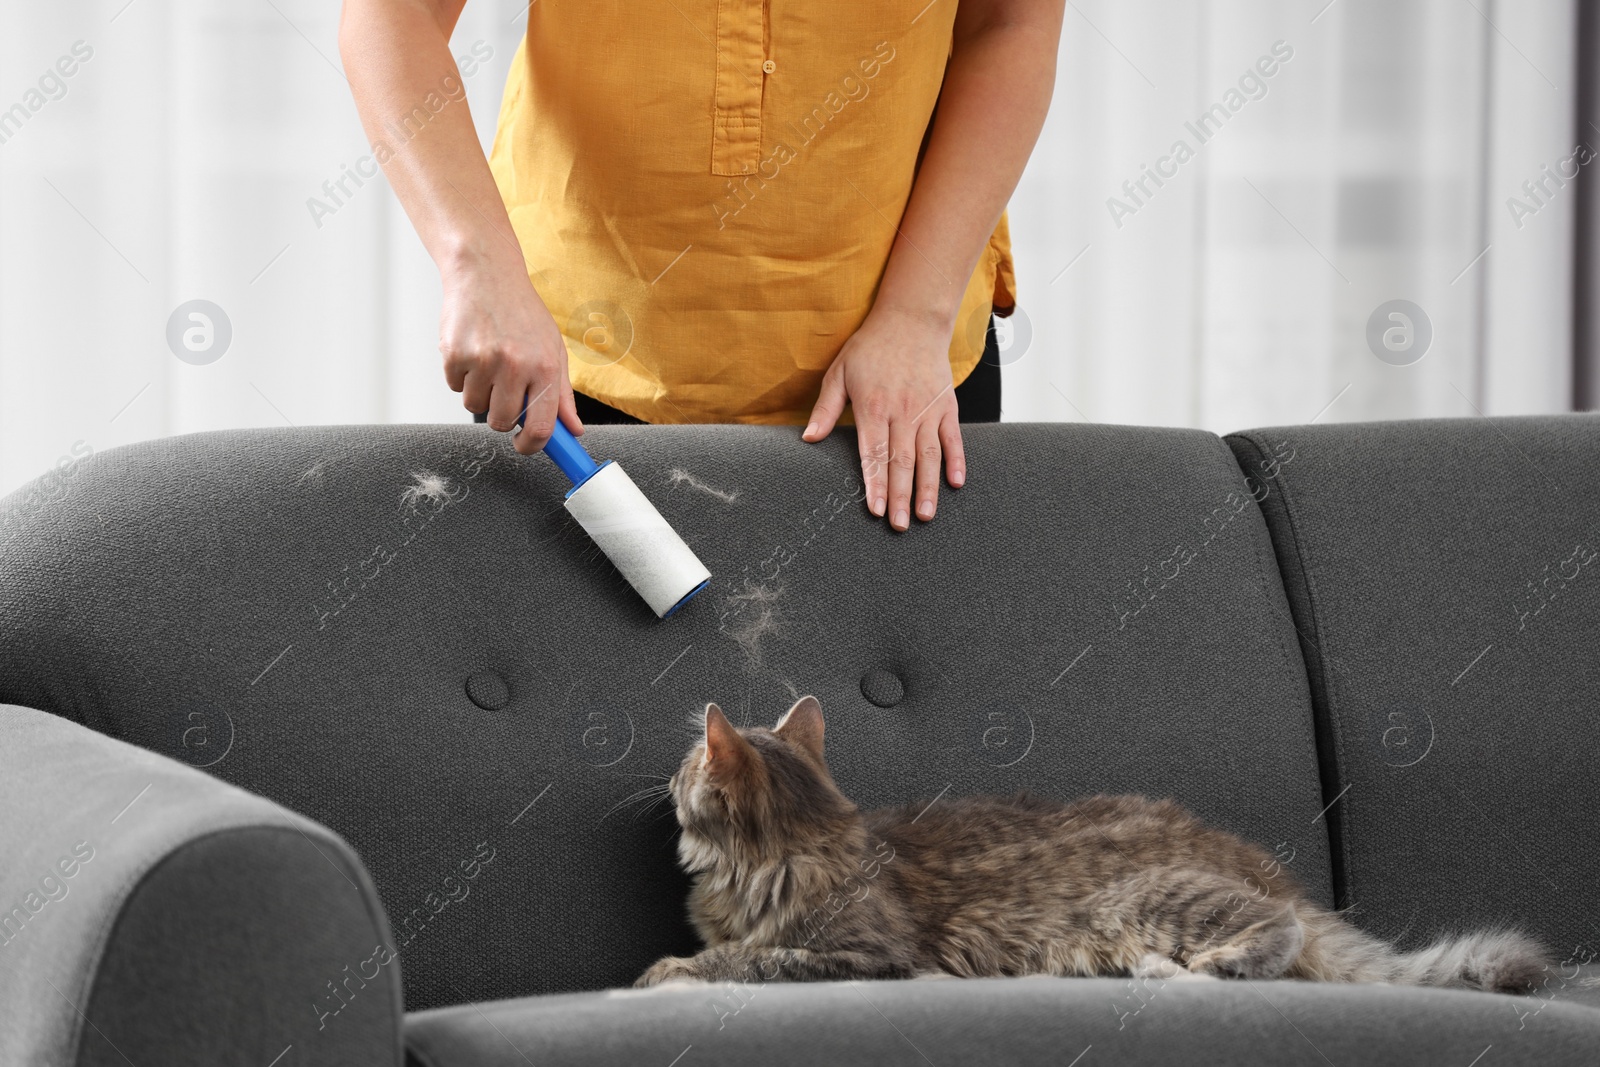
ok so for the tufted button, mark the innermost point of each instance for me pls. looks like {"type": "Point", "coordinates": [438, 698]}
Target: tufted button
{"type": "Point", "coordinates": [488, 691]}
{"type": "Point", "coordinates": [882, 688]}
{"type": "Point", "coordinates": [769, 66]}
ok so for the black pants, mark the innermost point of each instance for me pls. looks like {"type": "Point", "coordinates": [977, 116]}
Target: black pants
{"type": "Point", "coordinates": [977, 398]}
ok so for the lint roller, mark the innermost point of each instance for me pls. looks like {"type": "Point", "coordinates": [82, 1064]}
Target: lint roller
{"type": "Point", "coordinates": [627, 527]}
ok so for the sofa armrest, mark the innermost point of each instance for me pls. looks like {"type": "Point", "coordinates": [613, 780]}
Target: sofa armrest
{"type": "Point", "coordinates": [150, 913]}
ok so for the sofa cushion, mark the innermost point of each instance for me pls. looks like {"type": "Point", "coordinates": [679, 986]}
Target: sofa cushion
{"type": "Point", "coordinates": [397, 631]}
{"type": "Point", "coordinates": [1059, 1022]}
{"type": "Point", "coordinates": [1445, 581]}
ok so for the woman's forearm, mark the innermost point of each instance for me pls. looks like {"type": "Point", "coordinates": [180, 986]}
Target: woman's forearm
{"type": "Point", "coordinates": [996, 92]}
{"type": "Point", "coordinates": [409, 94]}
{"type": "Point", "coordinates": [502, 351]}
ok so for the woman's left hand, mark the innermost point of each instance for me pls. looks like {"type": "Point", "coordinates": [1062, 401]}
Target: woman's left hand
{"type": "Point", "coordinates": [895, 373]}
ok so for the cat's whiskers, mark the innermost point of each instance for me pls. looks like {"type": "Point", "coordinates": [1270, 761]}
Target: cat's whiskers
{"type": "Point", "coordinates": [654, 793]}
{"type": "Point", "coordinates": [652, 804]}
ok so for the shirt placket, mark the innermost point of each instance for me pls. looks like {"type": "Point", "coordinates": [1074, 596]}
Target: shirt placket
{"type": "Point", "coordinates": [736, 111]}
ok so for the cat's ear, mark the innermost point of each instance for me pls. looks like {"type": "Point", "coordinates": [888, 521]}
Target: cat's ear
{"type": "Point", "coordinates": [726, 751]}
{"type": "Point", "coordinates": [802, 725]}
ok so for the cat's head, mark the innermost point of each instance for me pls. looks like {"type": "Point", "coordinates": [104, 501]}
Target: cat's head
{"type": "Point", "coordinates": [745, 790]}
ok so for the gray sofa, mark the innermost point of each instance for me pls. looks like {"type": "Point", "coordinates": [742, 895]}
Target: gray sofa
{"type": "Point", "coordinates": [342, 717]}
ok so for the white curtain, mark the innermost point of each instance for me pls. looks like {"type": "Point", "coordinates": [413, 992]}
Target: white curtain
{"type": "Point", "coordinates": [1374, 164]}
{"type": "Point", "coordinates": [184, 158]}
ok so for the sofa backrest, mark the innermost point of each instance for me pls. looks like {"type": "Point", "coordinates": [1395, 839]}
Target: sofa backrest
{"type": "Point", "coordinates": [397, 631]}
{"type": "Point", "coordinates": [1445, 582]}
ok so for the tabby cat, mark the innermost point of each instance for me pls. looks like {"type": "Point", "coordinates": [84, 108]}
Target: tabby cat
{"type": "Point", "coordinates": [792, 882]}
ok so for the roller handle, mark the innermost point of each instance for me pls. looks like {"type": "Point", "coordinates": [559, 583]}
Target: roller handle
{"type": "Point", "coordinates": [569, 455]}
{"type": "Point", "coordinates": [565, 450]}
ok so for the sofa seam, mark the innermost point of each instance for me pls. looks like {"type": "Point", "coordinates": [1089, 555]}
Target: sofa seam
{"type": "Point", "coordinates": [1281, 639]}
{"type": "Point", "coordinates": [1330, 679]}
{"type": "Point", "coordinates": [1317, 639]}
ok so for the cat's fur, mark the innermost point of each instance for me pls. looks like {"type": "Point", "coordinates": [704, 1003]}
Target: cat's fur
{"type": "Point", "coordinates": [793, 882]}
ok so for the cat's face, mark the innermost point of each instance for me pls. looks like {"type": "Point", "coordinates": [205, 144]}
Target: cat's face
{"type": "Point", "coordinates": [755, 786]}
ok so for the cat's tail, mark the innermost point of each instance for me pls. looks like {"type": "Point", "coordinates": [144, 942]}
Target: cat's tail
{"type": "Point", "coordinates": [1499, 961]}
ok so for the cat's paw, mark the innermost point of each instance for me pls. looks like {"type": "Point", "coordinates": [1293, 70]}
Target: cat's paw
{"type": "Point", "coordinates": [669, 969]}
{"type": "Point", "coordinates": [1155, 965]}
{"type": "Point", "coordinates": [1224, 963]}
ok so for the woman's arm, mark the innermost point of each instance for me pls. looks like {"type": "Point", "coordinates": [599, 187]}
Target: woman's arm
{"type": "Point", "coordinates": [498, 340]}
{"type": "Point", "coordinates": [895, 370]}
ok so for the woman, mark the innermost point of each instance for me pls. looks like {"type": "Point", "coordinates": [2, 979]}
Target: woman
{"type": "Point", "coordinates": [723, 211]}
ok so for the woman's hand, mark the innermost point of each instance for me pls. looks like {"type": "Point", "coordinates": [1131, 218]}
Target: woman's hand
{"type": "Point", "coordinates": [895, 373]}
{"type": "Point", "coordinates": [500, 345]}
{"type": "Point", "coordinates": [895, 370]}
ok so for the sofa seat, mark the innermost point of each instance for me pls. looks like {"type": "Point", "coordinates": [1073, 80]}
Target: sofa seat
{"type": "Point", "coordinates": [1063, 1022]}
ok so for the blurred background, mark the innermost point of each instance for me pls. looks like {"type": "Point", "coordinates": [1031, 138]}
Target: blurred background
{"type": "Point", "coordinates": [1395, 222]}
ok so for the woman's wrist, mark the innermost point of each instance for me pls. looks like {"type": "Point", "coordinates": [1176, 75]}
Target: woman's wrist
{"type": "Point", "coordinates": [933, 321]}
{"type": "Point", "coordinates": [475, 255]}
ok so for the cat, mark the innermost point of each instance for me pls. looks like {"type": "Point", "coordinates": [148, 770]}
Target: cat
{"type": "Point", "coordinates": [792, 882]}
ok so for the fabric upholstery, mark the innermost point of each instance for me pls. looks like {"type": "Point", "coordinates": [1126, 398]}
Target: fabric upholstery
{"type": "Point", "coordinates": [1098, 610]}
{"type": "Point", "coordinates": [1020, 1022]}
{"type": "Point", "coordinates": [152, 914]}
{"type": "Point", "coordinates": [1444, 577]}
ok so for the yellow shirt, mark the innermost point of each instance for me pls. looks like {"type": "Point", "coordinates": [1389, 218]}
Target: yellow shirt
{"type": "Point", "coordinates": [706, 191]}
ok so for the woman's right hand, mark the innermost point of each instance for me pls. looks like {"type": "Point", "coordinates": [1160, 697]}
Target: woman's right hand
{"type": "Point", "coordinates": [500, 345]}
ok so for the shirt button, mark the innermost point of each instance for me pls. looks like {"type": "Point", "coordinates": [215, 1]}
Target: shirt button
{"type": "Point", "coordinates": [769, 66]}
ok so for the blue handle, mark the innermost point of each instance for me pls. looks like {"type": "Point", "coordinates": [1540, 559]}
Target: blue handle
{"type": "Point", "coordinates": [569, 455]}
{"type": "Point", "coordinates": [565, 450]}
